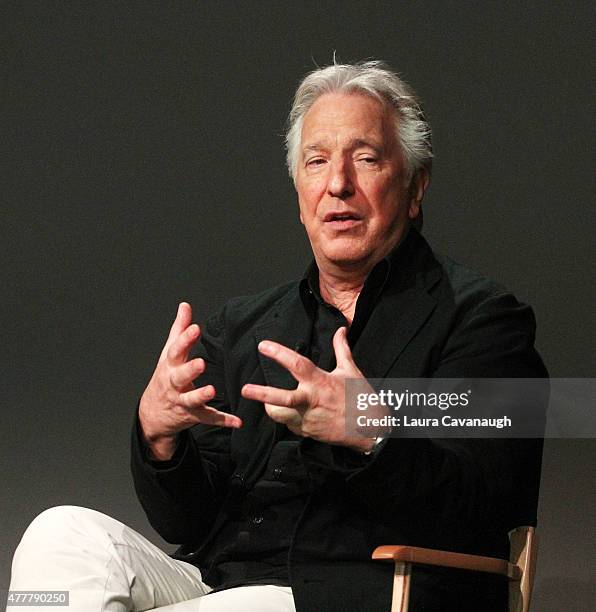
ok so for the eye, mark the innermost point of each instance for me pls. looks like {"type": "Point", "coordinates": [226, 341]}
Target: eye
{"type": "Point", "coordinates": [315, 161]}
{"type": "Point", "coordinates": [367, 160]}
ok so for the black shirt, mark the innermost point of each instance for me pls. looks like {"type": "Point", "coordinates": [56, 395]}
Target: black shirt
{"type": "Point", "coordinates": [252, 546]}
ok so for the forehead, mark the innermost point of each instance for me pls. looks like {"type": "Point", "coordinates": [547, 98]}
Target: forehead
{"type": "Point", "coordinates": [354, 116]}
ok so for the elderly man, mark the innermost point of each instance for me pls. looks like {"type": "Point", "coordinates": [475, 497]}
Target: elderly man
{"type": "Point", "coordinates": [240, 453]}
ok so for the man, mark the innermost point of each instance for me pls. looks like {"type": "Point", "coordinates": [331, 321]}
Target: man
{"type": "Point", "coordinates": [240, 453]}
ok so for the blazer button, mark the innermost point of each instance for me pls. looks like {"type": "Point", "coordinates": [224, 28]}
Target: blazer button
{"type": "Point", "coordinates": [257, 520]}
{"type": "Point", "coordinates": [277, 473]}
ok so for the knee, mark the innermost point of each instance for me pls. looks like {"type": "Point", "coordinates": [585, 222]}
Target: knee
{"type": "Point", "coordinates": [55, 522]}
{"type": "Point", "coordinates": [55, 539]}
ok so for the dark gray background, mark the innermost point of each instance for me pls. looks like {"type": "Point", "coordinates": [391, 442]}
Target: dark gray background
{"type": "Point", "coordinates": [144, 165]}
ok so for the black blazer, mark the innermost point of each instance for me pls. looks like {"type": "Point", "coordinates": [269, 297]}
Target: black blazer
{"type": "Point", "coordinates": [434, 318]}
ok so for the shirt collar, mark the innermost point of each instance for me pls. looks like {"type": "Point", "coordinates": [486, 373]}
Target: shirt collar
{"type": "Point", "coordinates": [374, 284]}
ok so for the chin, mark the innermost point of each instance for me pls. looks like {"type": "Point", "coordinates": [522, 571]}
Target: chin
{"type": "Point", "coordinates": [347, 257]}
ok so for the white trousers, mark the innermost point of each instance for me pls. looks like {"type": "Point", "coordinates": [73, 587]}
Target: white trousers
{"type": "Point", "coordinates": [106, 566]}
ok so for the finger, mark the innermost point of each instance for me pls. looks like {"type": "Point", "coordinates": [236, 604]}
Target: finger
{"type": "Point", "coordinates": [343, 354]}
{"type": "Point", "coordinates": [182, 321]}
{"type": "Point", "coordinates": [211, 416]}
{"type": "Point", "coordinates": [272, 395]}
{"type": "Point", "coordinates": [197, 398]}
{"type": "Point", "coordinates": [183, 375]}
{"type": "Point", "coordinates": [287, 416]}
{"type": "Point", "coordinates": [180, 348]}
{"type": "Point", "coordinates": [194, 401]}
{"type": "Point", "coordinates": [299, 367]}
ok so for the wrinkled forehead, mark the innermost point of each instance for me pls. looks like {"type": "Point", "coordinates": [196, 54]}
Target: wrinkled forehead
{"type": "Point", "coordinates": [341, 118]}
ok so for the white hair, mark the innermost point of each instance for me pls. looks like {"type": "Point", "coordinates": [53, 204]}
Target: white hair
{"type": "Point", "coordinates": [375, 79]}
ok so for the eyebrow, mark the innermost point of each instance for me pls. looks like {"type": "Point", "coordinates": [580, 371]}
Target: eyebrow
{"type": "Point", "coordinates": [354, 144]}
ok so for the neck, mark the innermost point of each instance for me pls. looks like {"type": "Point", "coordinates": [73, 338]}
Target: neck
{"type": "Point", "coordinates": [341, 291]}
{"type": "Point", "coordinates": [340, 286]}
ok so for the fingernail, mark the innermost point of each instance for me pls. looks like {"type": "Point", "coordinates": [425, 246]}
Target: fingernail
{"type": "Point", "coordinates": [265, 347]}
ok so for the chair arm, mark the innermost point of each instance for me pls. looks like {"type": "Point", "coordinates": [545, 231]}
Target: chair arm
{"type": "Point", "coordinates": [428, 556]}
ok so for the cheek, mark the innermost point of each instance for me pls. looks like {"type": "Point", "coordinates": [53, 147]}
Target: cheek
{"type": "Point", "coordinates": [308, 199]}
{"type": "Point", "coordinates": [303, 207]}
{"type": "Point", "coordinates": [392, 201]}
{"type": "Point", "coordinates": [377, 187]}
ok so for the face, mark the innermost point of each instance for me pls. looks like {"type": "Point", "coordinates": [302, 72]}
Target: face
{"type": "Point", "coordinates": [354, 192]}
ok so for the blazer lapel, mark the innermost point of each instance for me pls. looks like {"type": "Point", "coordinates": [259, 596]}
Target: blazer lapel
{"type": "Point", "coordinates": [393, 323]}
{"type": "Point", "coordinates": [290, 325]}
{"type": "Point", "coordinates": [405, 304]}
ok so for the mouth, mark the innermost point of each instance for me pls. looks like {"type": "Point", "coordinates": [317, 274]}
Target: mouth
{"type": "Point", "coordinates": [342, 220]}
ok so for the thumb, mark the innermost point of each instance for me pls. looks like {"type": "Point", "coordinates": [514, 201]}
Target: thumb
{"type": "Point", "coordinates": [343, 354]}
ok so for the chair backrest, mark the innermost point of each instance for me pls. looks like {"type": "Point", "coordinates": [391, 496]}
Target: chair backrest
{"type": "Point", "coordinates": [523, 553]}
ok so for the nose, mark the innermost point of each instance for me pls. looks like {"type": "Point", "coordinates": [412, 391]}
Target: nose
{"type": "Point", "coordinates": [340, 184]}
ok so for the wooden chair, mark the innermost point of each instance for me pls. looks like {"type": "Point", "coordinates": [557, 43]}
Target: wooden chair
{"type": "Point", "coordinates": [519, 569]}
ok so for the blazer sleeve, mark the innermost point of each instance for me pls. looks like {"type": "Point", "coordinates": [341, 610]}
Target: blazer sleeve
{"type": "Point", "coordinates": [182, 497]}
{"type": "Point", "coordinates": [461, 480]}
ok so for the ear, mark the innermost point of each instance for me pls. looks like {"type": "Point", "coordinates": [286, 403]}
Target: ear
{"type": "Point", "coordinates": [418, 188]}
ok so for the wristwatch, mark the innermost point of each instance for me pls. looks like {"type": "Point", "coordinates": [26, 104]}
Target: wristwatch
{"type": "Point", "coordinates": [376, 443]}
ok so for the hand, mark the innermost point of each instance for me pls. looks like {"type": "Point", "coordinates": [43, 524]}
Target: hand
{"type": "Point", "coordinates": [171, 403]}
{"type": "Point", "coordinates": [317, 407]}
